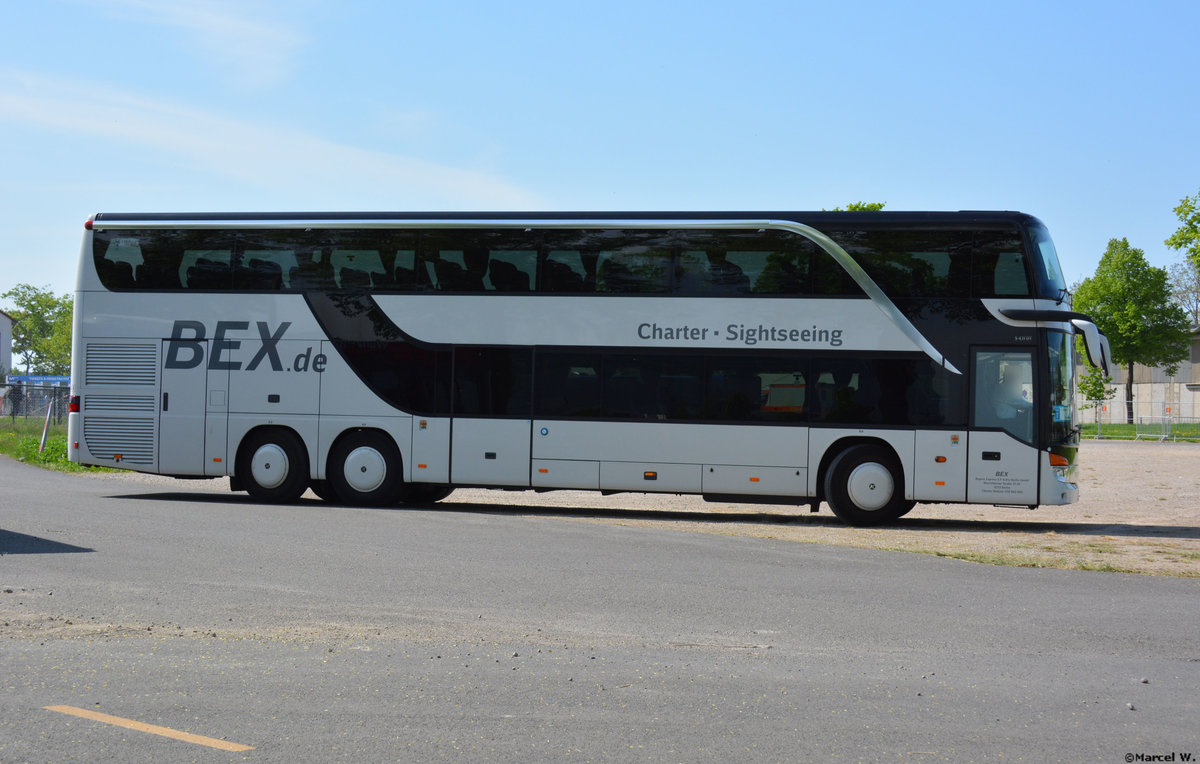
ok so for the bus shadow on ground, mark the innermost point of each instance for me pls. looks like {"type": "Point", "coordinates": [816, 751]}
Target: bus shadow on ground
{"type": "Point", "coordinates": [12, 542]}
{"type": "Point", "coordinates": [801, 518]}
{"type": "Point", "coordinates": [825, 520]}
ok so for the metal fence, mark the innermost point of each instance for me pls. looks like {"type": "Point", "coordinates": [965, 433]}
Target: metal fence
{"type": "Point", "coordinates": [1169, 422]}
{"type": "Point", "coordinates": [1114, 411]}
{"type": "Point", "coordinates": [22, 401]}
{"type": "Point", "coordinates": [1164, 428]}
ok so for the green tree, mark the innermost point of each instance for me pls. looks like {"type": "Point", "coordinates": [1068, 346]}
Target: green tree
{"type": "Point", "coordinates": [1185, 288]}
{"type": "Point", "coordinates": [1130, 301]}
{"type": "Point", "coordinates": [1187, 236]}
{"type": "Point", "coordinates": [860, 207]}
{"type": "Point", "coordinates": [42, 333]}
{"type": "Point", "coordinates": [1094, 385]}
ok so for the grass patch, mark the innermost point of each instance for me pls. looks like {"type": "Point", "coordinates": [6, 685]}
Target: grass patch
{"type": "Point", "coordinates": [1180, 432]}
{"type": "Point", "coordinates": [21, 438]}
{"type": "Point", "coordinates": [1005, 559]}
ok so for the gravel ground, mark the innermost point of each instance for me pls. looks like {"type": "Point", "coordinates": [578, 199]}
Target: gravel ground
{"type": "Point", "coordinates": [1139, 512]}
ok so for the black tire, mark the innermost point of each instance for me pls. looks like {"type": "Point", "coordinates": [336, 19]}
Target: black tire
{"type": "Point", "coordinates": [323, 491]}
{"type": "Point", "coordinates": [273, 465]}
{"type": "Point", "coordinates": [418, 493]}
{"type": "Point", "coordinates": [365, 469]}
{"type": "Point", "coordinates": [864, 485]}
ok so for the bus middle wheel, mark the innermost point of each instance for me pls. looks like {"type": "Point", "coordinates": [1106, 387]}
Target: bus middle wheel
{"type": "Point", "coordinates": [365, 469]}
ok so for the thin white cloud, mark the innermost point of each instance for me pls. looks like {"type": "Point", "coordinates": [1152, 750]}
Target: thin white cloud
{"type": "Point", "coordinates": [277, 160]}
{"type": "Point", "coordinates": [251, 45]}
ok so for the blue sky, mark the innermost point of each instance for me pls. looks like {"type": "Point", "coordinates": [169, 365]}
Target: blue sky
{"type": "Point", "coordinates": [1084, 114]}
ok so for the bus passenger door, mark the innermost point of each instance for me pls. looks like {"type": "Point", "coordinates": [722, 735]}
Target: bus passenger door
{"type": "Point", "coordinates": [182, 401]}
{"type": "Point", "coordinates": [1003, 462]}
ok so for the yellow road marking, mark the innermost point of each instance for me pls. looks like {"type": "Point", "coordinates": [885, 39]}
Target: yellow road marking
{"type": "Point", "coordinates": [152, 729]}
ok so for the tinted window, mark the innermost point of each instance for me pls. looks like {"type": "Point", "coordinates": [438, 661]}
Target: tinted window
{"type": "Point", "coordinates": [656, 387]}
{"type": "Point", "coordinates": [189, 259]}
{"type": "Point", "coordinates": [999, 265]}
{"type": "Point", "coordinates": [568, 385]}
{"type": "Point", "coordinates": [478, 261]}
{"type": "Point", "coordinates": [271, 260]}
{"type": "Point", "coordinates": [684, 262]}
{"type": "Point", "coordinates": [912, 263]}
{"type": "Point", "coordinates": [1051, 281]}
{"type": "Point", "coordinates": [492, 381]}
{"type": "Point", "coordinates": [411, 377]}
{"type": "Point", "coordinates": [744, 388]}
{"type": "Point", "coordinates": [640, 264]}
{"type": "Point", "coordinates": [1004, 392]}
{"type": "Point", "coordinates": [722, 263]}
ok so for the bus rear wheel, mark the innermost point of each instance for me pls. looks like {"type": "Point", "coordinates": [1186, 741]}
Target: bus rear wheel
{"type": "Point", "coordinates": [864, 485]}
{"type": "Point", "coordinates": [273, 465]}
{"type": "Point", "coordinates": [365, 469]}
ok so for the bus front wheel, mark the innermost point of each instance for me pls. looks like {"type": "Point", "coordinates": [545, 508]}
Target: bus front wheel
{"type": "Point", "coordinates": [864, 485]}
{"type": "Point", "coordinates": [273, 465]}
{"type": "Point", "coordinates": [364, 469]}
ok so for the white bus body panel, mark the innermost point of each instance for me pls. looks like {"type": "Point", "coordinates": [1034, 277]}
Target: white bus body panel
{"type": "Point", "coordinates": [704, 458]}
{"type": "Point", "coordinates": [1055, 489]}
{"type": "Point", "coordinates": [430, 460]}
{"type": "Point", "coordinates": [778, 446]}
{"type": "Point", "coordinates": [217, 457]}
{"type": "Point", "coordinates": [1002, 470]}
{"type": "Point", "coordinates": [683, 322]}
{"type": "Point", "coordinates": [759, 481]}
{"type": "Point", "coordinates": [490, 452]}
{"type": "Point", "coordinates": [565, 473]}
{"type": "Point", "coordinates": [650, 477]}
{"type": "Point", "coordinates": [940, 481]}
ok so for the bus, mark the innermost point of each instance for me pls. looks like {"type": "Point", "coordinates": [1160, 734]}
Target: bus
{"type": "Point", "coordinates": [868, 360]}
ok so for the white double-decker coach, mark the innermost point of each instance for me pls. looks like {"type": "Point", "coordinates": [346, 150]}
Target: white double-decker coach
{"type": "Point", "coordinates": [869, 360]}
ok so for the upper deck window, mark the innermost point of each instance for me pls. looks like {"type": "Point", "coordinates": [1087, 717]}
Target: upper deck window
{"type": "Point", "coordinates": [905, 263]}
{"type": "Point", "coordinates": [939, 263]}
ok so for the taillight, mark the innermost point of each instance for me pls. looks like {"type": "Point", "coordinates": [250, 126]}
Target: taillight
{"type": "Point", "coordinates": [73, 406]}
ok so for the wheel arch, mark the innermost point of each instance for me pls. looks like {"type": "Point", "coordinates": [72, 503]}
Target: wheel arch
{"type": "Point", "coordinates": [358, 430]}
{"type": "Point", "coordinates": [236, 481]}
{"type": "Point", "coordinates": [849, 441]}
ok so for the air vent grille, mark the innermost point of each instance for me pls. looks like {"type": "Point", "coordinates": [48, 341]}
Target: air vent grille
{"type": "Point", "coordinates": [109, 363]}
{"type": "Point", "coordinates": [132, 403]}
{"type": "Point", "coordinates": [120, 439]}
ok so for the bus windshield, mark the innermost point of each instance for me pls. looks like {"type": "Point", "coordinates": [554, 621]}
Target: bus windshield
{"type": "Point", "coordinates": [1048, 272]}
{"type": "Point", "coordinates": [1062, 425]}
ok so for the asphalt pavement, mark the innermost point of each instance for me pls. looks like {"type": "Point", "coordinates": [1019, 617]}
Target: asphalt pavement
{"type": "Point", "coordinates": [135, 615]}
